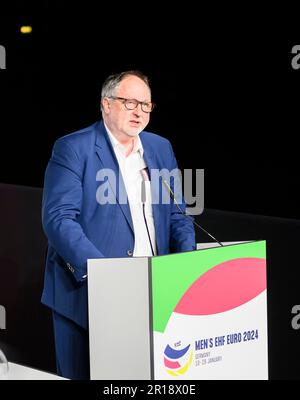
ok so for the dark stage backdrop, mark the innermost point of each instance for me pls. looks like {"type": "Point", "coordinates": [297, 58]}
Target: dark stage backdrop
{"type": "Point", "coordinates": [226, 94]}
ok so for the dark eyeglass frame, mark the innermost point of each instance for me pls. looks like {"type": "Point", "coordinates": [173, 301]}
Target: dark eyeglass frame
{"type": "Point", "coordinates": [134, 101]}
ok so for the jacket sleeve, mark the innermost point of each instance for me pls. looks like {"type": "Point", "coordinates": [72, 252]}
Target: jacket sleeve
{"type": "Point", "coordinates": [182, 232]}
{"type": "Point", "coordinates": [62, 201]}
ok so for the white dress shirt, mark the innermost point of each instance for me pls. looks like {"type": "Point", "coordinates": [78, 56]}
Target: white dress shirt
{"type": "Point", "coordinates": [130, 168]}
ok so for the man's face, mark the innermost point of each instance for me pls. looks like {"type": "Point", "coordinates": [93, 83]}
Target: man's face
{"type": "Point", "coordinates": [122, 122]}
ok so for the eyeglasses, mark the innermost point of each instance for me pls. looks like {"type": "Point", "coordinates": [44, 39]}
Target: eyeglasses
{"type": "Point", "coordinates": [131, 104]}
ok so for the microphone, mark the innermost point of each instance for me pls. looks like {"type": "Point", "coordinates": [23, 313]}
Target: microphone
{"type": "Point", "coordinates": [143, 200]}
{"type": "Point", "coordinates": [187, 216]}
{"type": "Point", "coordinates": [143, 192]}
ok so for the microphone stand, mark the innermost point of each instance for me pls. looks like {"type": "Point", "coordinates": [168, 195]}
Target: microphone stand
{"type": "Point", "coordinates": [143, 198]}
{"type": "Point", "coordinates": [188, 216]}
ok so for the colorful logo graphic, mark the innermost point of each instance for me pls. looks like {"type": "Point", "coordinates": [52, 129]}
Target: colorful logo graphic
{"type": "Point", "coordinates": [177, 362]}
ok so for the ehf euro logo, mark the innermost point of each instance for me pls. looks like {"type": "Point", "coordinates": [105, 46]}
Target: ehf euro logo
{"type": "Point", "coordinates": [177, 361]}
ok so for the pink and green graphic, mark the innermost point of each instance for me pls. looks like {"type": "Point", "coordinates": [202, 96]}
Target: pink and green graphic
{"type": "Point", "coordinates": [211, 281]}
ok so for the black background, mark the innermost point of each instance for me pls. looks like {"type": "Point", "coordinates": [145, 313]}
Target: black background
{"type": "Point", "coordinates": [222, 79]}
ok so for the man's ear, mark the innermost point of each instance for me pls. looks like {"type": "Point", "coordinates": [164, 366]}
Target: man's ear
{"type": "Point", "coordinates": [105, 105]}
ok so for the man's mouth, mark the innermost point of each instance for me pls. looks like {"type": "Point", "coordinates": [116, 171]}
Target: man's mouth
{"type": "Point", "coordinates": [133, 122]}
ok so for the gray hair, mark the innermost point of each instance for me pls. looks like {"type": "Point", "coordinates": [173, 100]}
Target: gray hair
{"type": "Point", "coordinates": [112, 82]}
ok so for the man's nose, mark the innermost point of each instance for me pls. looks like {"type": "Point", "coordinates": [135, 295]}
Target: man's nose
{"type": "Point", "coordinates": [138, 110]}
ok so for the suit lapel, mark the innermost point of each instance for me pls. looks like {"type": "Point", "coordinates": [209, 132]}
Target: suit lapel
{"type": "Point", "coordinates": [109, 161]}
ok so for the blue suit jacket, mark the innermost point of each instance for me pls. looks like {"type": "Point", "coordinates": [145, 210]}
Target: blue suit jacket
{"type": "Point", "coordinates": [79, 228]}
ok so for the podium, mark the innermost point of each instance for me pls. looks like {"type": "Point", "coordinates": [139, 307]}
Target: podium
{"type": "Point", "coordinates": [193, 315]}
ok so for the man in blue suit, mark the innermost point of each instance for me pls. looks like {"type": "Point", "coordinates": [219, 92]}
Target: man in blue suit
{"type": "Point", "coordinates": [92, 208]}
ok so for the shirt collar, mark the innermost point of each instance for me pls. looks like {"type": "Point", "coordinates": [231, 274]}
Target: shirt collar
{"type": "Point", "coordinates": [116, 144]}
